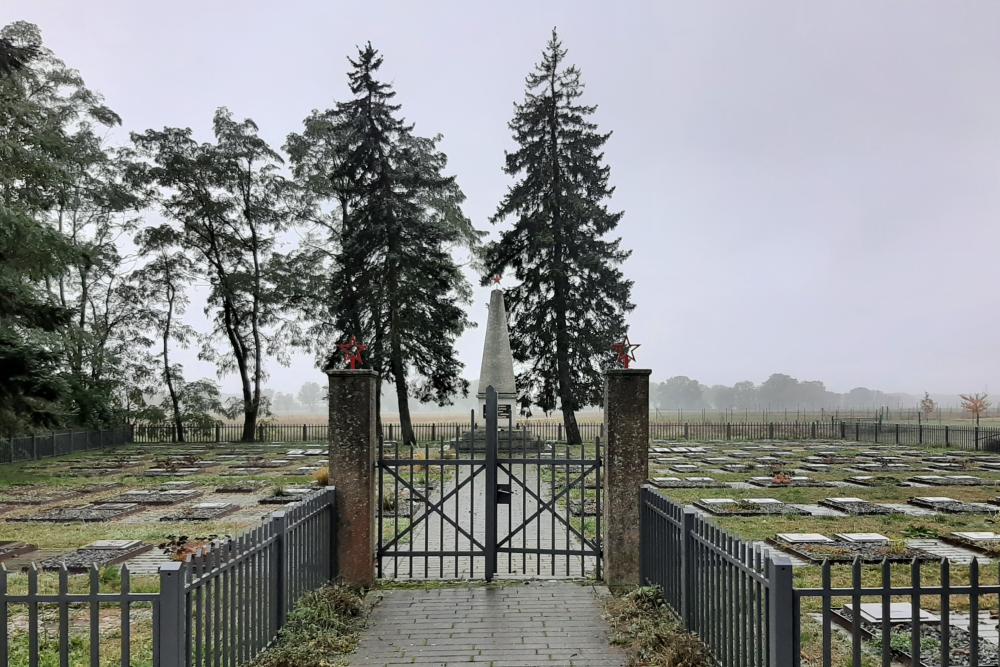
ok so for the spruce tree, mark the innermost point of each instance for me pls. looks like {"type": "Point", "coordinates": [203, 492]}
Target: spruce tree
{"type": "Point", "coordinates": [570, 302]}
{"type": "Point", "coordinates": [393, 281]}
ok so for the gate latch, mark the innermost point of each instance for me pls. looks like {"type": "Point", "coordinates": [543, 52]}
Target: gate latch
{"type": "Point", "coordinates": [503, 494]}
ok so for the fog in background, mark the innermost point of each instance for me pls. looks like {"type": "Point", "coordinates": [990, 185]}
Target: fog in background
{"type": "Point", "coordinates": [809, 188]}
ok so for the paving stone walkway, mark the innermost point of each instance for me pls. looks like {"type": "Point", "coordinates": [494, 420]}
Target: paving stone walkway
{"type": "Point", "coordinates": [524, 623]}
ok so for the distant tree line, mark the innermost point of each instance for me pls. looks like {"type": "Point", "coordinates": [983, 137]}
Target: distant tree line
{"type": "Point", "coordinates": [94, 290]}
{"type": "Point", "coordinates": [778, 392]}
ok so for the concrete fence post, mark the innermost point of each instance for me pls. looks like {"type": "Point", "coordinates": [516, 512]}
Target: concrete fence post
{"type": "Point", "coordinates": [626, 416]}
{"type": "Point", "coordinates": [171, 626]}
{"type": "Point", "coordinates": [353, 472]}
{"type": "Point", "coordinates": [782, 625]}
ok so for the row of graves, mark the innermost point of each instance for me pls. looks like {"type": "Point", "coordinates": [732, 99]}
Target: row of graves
{"type": "Point", "coordinates": [158, 490]}
{"type": "Point", "coordinates": [849, 503]}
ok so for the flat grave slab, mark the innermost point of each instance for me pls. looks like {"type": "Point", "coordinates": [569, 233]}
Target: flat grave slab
{"type": "Point", "coordinates": [37, 494]}
{"type": "Point", "coordinates": [949, 480]}
{"type": "Point", "coordinates": [686, 482]}
{"type": "Point", "coordinates": [307, 470]}
{"type": "Point", "coordinates": [745, 466]}
{"type": "Point", "coordinates": [786, 482]}
{"type": "Point", "coordinates": [983, 542]}
{"type": "Point", "coordinates": [101, 553]}
{"type": "Point", "coordinates": [260, 464]}
{"type": "Point", "coordinates": [86, 513]}
{"type": "Point", "coordinates": [241, 471]}
{"type": "Point", "coordinates": [863, 538]}
{"type": "Point", "coordinates": [747, 507]}
{"type": "Point", "coordinates": [156, 496]}
{"type": "Point", "coordinates": [883, 467]}
{"type": "Point", "coordinates": [202, 512]}
{"type": "Point", "coordinates": [828, 460]}
{"type": "Point", "coordinates": [930, 635]}
{"type": "Point", "coordinates": [177, 486]}
{"type": "Point", "coordinates": [802, 538]}
{"type": "Point", "coordinates": [950, 505]}
{"type": "Point", "coordinates": [170, 472]}
{"type": "Point", "coordinates": [287, 495]}
{"type": "Point", "coordinates": [845, 547]}
{"type": "Point", "coordinates": [857, 506]}
{"type": "Point", "coordinates": [240, 486]}
{"type": "Point", "coordinates": [874, 480]}
{"type": "Point", "coordinates": [899, 612]}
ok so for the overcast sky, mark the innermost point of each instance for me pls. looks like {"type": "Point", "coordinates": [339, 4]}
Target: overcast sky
{"type": "Point", "coordinates": [809, 187]}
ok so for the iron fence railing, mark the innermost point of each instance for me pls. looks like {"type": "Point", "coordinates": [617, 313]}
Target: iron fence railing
{"type": "Point", "coordinates": [960, 437]}
{"type": "Point", "coordinates": [743, 602]}
{"type": "Point", "coordinates": [430, 432]}
{"type": "Point", "coordinates": [221, 607]}
{"type": "Point", "coordinates": [57, 443]}
{"type": "Point", "coordinates": [736, 597]}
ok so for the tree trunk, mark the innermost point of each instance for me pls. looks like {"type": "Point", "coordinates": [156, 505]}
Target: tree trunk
{"type": "Point", "coordinates": [402, 400]}
{"type": "Point", "coordinates": [572, 428]}
{"type": "Point", "coordinates": [167, 375]}
{"type": "Point", "coordinates": [249, 423]}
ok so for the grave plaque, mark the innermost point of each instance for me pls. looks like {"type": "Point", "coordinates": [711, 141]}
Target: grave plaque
{"type": "Point", "coordinates": [978, 536]}
{"type": "Point", "coordinates": [867, 538]}
{"type": "Point", "coordinates": [803, 538]}
{"type": "Point", "coordinates": [899, 612]}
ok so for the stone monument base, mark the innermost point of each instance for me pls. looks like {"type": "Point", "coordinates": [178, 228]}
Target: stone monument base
{"type": "Point", "coordinates": [506, 441]}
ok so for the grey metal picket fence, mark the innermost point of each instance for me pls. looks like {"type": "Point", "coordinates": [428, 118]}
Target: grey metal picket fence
{"type": "Point", "coordinates": [735, 596]}
{"type": "Point", "coordinates": [58, 443]}
{"type": "Point", "coordinates": [932, 435]}
{"type": "Point", "coordinates": [743, 602]}
{"type": "Point", "coordinates": [220, 608]}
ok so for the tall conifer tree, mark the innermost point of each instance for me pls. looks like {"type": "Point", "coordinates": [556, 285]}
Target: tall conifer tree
{"type": "Point", "coordinates": [392, 279]}
{"type": "Point", "coordinates": [570, 302]}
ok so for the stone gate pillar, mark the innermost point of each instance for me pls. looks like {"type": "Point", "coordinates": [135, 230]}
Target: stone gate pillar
{"type": "Point", "coordinates": [626, 418]}
{"type": "Point", "coordinates": [353, 447]}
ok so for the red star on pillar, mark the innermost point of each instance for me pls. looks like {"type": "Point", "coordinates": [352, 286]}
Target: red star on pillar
{"type": "Point", "coordinates": [352, 350]}
{"type": "Point", "coordinates": [625, 351]}
{"type": "Point", "coordinates": [496, 280]}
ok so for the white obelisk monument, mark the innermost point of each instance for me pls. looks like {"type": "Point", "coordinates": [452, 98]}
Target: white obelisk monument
{"type": "Point", "coordinates": [498, 362]}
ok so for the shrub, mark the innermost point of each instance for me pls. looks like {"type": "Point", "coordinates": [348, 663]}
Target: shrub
{"type": "Point", "coordinates": [181, 547]}
{"type": "Point", "coordinates": [642, 623]}
{"type": "Point", "coordinates": [322, 476]}
{"type": "Point", "coordinates": [323, 627]}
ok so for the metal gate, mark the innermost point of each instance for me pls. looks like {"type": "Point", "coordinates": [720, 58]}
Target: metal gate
{"type": "Point", "coordinates": [489, 502]}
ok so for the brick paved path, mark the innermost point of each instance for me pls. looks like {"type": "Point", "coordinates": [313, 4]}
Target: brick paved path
{"type": "Point", "coordinates": [530, 623]}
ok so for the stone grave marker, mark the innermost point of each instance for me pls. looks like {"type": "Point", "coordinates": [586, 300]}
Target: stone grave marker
{"type": "Point", "coordinates": [803, 538]}
{"type": "Point", "coordinates": [865, 538]}
{"type": "Point", "coordinates": [100, 553]}
{"type": "Point", "coordinates": [951, 506]}
{"type": "Point", "coordinates": [86, 513]}
{"type": "Point", "coordinates": [202, 512]}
